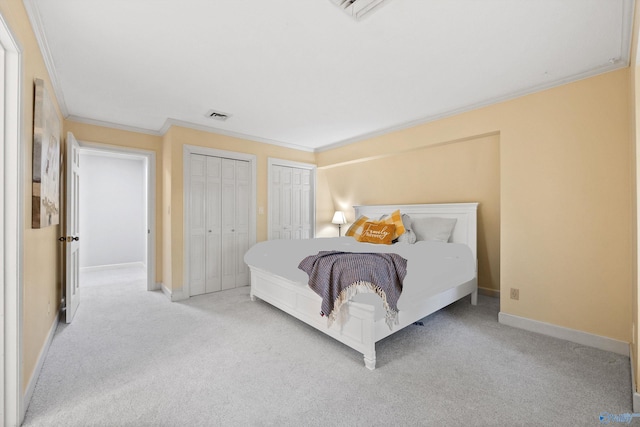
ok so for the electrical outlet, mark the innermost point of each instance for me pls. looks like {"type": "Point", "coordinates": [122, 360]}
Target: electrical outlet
{"type": "Point", "coordinates": [515, 294]}
{"type": "Point", "coordinates": [49, 307]}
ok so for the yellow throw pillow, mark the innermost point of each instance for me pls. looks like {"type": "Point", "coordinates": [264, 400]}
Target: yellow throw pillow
{"type": "Point", "coordinates": [356, 228]}
{"type": "Point", "coordinates": [373, 232]}
{"type": "Point", "coordinates": [396, 219]}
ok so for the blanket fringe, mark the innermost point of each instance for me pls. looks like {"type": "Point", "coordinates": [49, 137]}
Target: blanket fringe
{"type": "Point", "coordinates": [391, 315]}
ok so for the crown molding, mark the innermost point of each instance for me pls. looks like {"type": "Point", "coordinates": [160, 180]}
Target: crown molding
{"type": "Point", "coordinates": [31, 6]}
{"type": "Point", "coordinates": [616, 65]}
{"type": "Point", "coordinates": [613, 66]}
{"type": "Point", "coordinates": [112, 125]}
{"type": "Point", "coordinates": [175, 122]}
{"type": "Point", "coordinates": [622, 61]}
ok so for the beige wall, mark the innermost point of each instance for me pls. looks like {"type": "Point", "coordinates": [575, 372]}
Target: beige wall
{"type": "Point", "coordinates": [169, 181]}
{"type": "Point", "coordinates": [116, 138]}
{"type": "Point", "coordinates": [41, 261]}
{"type": "Point", "coordinates": [466, 170]}
{"type": "Point", "coordinates": [565, 205]}
{"type": "Point", "coordinates": [565, 187]}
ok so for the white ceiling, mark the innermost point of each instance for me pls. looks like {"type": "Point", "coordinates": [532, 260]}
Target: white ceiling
{"type": "Point", "coordinates": [301, 73]}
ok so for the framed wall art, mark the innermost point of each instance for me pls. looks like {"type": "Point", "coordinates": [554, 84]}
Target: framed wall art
{"type": "Point", "coordinates": [46, 160]}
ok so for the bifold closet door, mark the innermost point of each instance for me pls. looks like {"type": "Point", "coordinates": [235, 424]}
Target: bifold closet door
{"type": "Point", "coordinates": [219, 223]}
{"type": "Point", "coordinates": [205, 224]}
{"type": "Point", "coordinates": [235, 222]}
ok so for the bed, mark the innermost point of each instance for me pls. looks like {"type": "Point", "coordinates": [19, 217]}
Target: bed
{"type": "Point", "coordinates": [362, 320]}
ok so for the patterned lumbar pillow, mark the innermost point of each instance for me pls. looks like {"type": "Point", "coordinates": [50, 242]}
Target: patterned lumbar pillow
{"type": "Point", "coordinates": [374, 232]}
{"type": "Point", "coordinates": [396, 219]}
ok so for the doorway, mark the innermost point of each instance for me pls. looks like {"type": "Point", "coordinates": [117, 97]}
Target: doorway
{"type": "Point", "coordinates": [116, 215]}
{"type": "Point", "coordinates": [11, 224]}
{"type": "Point", "coordinates": [11, 409]}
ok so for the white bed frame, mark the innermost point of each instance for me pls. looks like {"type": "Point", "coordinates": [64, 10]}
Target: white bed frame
{"type": "Point", "coordinates": [360, 330]}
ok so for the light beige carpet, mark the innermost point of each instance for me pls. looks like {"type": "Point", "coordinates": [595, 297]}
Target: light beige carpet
{"type": "Point", "coordinates": [132, 358]}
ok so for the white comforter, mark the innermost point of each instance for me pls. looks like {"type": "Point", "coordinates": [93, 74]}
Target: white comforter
{"type": "Point", "coordinates": [432, 267]}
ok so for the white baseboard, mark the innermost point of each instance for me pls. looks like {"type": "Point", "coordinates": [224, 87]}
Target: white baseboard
{"type": "Point", "coordinates": [31, 386]}
{"type": "Point", "coordinates": [138, 264]}
{"type": "Point", "coordinates": [635, 396]}
{"type": "Point", "coordinates": [166, 292]}
{"type": "Point", "coordinates": [573, 335]}
{"type": "Point", "coordinates": [174, 295]}
{"type": "Point", "coordinates": [157, 286]}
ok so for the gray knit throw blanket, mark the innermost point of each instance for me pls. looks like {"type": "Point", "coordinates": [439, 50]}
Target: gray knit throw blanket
{"type": "Point", "coordinates": [338, 276]}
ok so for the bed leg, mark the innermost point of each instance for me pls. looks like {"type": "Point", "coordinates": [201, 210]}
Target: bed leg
{"type": "Point", "coordinates": [474, 297]}
{"type": "Point", "coordinates": [370, 361]}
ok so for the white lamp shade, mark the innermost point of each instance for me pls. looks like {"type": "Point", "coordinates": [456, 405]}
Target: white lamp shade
{"type": "Point", "coordinates": [339, 218]}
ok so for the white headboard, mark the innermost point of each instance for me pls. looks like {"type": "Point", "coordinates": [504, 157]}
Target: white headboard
{"type": "Point", "coordinates": [465, 231]}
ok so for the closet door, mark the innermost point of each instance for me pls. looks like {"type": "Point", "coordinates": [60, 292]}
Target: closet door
{"type": "Point", "coordinates": [242, 218]}
{"type": "Point", "coordinates": [281, 225]}
{"type": "Point", "coordinates": [291, 203]}
{"type": "Point", "coordinates": [235, 222]}
{"type": "Point", "coordinates": [219, 201]}
{"type": "Point", "coordinates": [197, 224]}
{"type": "Point", "coordinates": [213, 208]}
{"type": "Point", "coordinates": [301, 204]}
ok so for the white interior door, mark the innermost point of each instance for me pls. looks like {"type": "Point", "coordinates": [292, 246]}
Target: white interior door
{"type": "Point", "coordinates": [204, 220]}
{"type": "Point", "coordinates": [283, 217]}
{"type": "Point", "coordinates": [241, 225]}
{"type": "Point", "coordinates": [291, 202]}
{"type": "Point", "coordinates": [219, 223]}
{"type": "Point", "coordinates": [235, 222]}
{"type": "Point", "coordinates": [213, 221]}
{"type": "Point", "coordinates": [72, 229]}
{"type": "Point", "coordinates": [11, 227]}
{"type": "Point", "coordinates": [197, 225]}
{"type": "Point", "coordinates": [301, 204]}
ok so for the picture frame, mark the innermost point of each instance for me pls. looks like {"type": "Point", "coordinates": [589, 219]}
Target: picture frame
{"type": "Point", "coordinates": [46, 160]}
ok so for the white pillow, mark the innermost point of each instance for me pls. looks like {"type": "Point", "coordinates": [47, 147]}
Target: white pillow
{"type": "Point", "coordinates": [408, 236]}
{"type": "Point", "coordinates": [433, 228]}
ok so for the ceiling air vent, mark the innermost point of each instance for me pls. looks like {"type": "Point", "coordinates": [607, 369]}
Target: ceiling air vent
{"type": "Point", "coordinates": [217, 115]}
{"type": "Point", "coordinates": [357, 9]}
